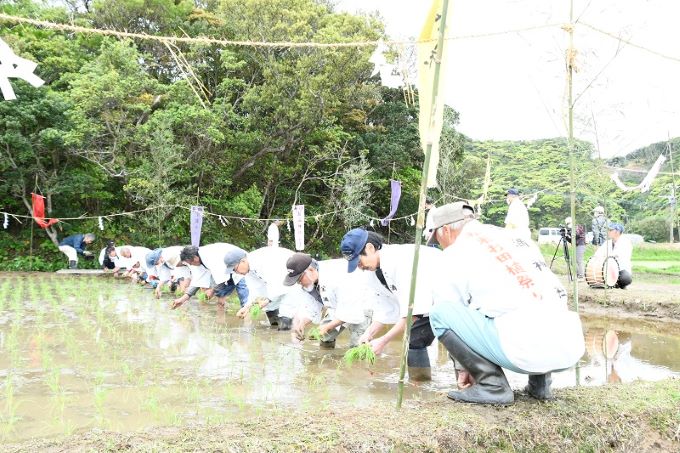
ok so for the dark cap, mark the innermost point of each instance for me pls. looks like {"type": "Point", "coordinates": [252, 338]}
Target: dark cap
{"type": "Point", "coordinates": [512, 191]}
{"type": "Point", "coordinates": [296, 266]}
{"type": "Point", "coordinates": [352, 244]}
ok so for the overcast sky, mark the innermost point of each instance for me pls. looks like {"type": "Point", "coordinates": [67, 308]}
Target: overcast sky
{"type": "Point", "coordinates": [513, 86]}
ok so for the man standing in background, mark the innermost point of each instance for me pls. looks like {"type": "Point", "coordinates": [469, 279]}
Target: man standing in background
{"type": "Point", "coordinates": [599, 226]}
{"type": "Point", "coordinates": [517, 218]}
{"type": "Point", "coordinates": [273, 233]}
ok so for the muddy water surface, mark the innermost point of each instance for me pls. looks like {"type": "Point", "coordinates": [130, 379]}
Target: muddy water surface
{"type": "Point", "coordinates": [83, 352]}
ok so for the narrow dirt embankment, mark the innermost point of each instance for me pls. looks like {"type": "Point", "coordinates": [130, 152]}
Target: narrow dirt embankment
{"type": "Point", "coordinates": [639, 417]}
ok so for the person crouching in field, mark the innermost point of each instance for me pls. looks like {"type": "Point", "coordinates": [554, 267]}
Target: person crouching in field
{"type": "Point", "coordinates": [621, 248]}
{"type": "Point", "coordinates": [75, 245]}
{"type": "Point", "coordinates": [334, 299]}
{"type": "Point", "coordinates": [392, 266]}
{"type": "Point", "coordinates": [497, 304]}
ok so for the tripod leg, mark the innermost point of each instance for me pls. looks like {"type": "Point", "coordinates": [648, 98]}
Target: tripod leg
{"type": "Point", "coordinates": [555, 254]}
{"type": "Point", "coordinates": [567, 259]}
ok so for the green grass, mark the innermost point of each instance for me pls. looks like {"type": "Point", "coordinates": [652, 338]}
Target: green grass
{"type": "Point", "coordinates": [656, 252]}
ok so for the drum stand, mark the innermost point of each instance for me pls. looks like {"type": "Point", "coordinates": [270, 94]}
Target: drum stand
{"type": "Point", "coordinates": [565, 249]}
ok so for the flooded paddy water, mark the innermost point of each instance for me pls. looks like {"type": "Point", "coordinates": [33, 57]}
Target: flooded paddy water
{"type": "Point", "coordinates": [89, 351]}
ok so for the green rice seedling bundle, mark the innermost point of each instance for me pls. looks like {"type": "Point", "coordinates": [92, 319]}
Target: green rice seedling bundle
{"type": "Point", "coordinates": [362, 353]}
{"type": "Point", "coordinates": [255, 311]}
{"type": "Point", "coordinates": [179, 292]}
{"type": "Point", "coordinates": [202, 297]}
{"type": "Point", "coordinates": [314, 333]}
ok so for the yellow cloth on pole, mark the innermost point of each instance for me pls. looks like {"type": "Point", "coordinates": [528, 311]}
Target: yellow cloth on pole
{"type": "Point", "coordinates": [429, 125]}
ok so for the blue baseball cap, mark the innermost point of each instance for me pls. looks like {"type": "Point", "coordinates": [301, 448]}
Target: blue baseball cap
{"type": "Point", "coordinates": [152, 257]}
{"type": "Point", "coordinates": [512, 192]}
{"type": "Point", "coordinates": [616, 226]}
{"type": "Point", "coordinates": [353, 242]}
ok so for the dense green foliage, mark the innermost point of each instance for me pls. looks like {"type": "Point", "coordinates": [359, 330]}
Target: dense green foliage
{"type": "Point", "coordinates": [245, 131]}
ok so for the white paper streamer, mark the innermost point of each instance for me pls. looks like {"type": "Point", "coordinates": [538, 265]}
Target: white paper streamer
{"type": "Point", "coordinates": [371, 223]}
{"type": "Point", "coordinates": [101, 223]}
{"type": "Point", "coordinates": [13, 66]}
{"type": "Point", "coordinates": [5, 224]}
{"type": "Point", "coordinates": [412, 221]}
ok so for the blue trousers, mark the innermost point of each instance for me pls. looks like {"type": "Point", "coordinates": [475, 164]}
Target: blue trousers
{"type": "Point", "coordinates": [228, 287]}
{"type": "Point", "coordinates": [475, 329]}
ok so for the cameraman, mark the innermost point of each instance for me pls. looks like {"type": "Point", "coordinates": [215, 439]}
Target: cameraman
{"type": "Point", "coordinates": [580, 246]}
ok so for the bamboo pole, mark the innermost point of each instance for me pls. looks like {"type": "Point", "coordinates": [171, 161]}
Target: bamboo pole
{"type": "Point", "coordinates": [421, 205]}
{"type": "Point", "coordinates": [571, 55]}
{"type": "Point", "coordinates": [673, 200]}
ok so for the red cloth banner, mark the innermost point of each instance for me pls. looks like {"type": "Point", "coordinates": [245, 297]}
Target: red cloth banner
{"type": "Point", "coordinates": [39, 212]}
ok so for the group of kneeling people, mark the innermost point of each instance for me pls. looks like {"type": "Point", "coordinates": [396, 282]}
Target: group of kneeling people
{"type": "Point", "coordinates": [486, 294]}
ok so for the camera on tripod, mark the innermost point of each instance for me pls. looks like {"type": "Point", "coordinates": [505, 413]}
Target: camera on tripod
{"type": "Point", "coordinates": [565, 232]}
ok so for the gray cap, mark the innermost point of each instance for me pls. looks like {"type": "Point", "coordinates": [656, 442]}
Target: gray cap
{"type": "Point", "coordinates": [449, 213]}
{"type": "Point", "coordinates": [233, 257]}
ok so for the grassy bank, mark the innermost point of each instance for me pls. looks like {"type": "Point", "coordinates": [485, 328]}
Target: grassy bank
{"type": "Point", "coordinates": [636, 417]}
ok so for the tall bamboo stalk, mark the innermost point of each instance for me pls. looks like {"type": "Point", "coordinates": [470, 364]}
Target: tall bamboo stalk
{"type": "Point", "coordinates": [571, 55]}
{"type": "Point", "coordinates": [421, 206]}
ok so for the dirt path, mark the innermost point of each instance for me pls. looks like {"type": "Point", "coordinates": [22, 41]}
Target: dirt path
{"type": "Point", "coordinates": [653, 301]}
{"type": "Point", "coordinates": [640, 417]}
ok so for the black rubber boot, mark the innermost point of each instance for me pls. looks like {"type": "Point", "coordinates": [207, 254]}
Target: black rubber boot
{"type": "Point", "coordinates": [490, 387]}
{"type": "Point", "coordinates": [73, 264]}
{"type": "Point", "coordinates": [539, 386]}
{"type": "Point", "coordinates": [273, 317]}
{"type": "Point", "coordinates": [327, 344]}
{"type": "Point", "coordinates": [284, 323]}
{"type": "Point", "coordinates": [418, 365]}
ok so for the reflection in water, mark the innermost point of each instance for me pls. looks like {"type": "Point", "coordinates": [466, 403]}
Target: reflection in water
{"type": "Point", "coordinates": [105, 353]}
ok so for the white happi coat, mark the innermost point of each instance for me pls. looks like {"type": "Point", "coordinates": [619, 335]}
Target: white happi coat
{"type": "Point", "coordinates": [505, 277]}
{"type": "Point", "coordinates": [517, 219]}
{"type": "Point", "coordinates": [265, 279]}
{"type": "Point", "coordinates": [164, 272]}
{"type": "Point", "coordinates": [396, 262]}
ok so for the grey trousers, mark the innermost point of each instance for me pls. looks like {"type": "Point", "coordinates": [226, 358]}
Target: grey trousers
{"type": "Point", "coordinates": [355, 330]}
{"type": "Point", "coordinates": [580, 251]}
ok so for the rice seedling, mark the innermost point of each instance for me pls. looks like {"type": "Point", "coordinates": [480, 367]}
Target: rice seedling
{"type": "Point", "coordinates": [362, 353]}
{"type": "Point", "coordinates": [255, 311]}
{"type": "Point", "coordinates": [8, 418]}
{"type": "Point", "coordinates": [314, 333]}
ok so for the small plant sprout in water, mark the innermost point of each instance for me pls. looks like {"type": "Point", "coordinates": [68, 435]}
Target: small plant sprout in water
{"type": "Point", "coordinates": [202, 297]}
{"type": "Point", "coordinates": [255, 311]}
{"type": "Point", "coordinates": [314, 333]}
{"type": "Point", "coordinates": [362, 353]}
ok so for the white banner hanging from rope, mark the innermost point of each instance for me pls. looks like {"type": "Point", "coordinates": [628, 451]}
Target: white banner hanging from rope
{"type": "Point", "coordinates": [13, 66]}
{"type": "Point", "coordinates": [299, 226]}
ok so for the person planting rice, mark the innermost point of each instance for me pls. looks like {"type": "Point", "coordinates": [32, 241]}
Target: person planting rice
{"type": "Point", "coordinates": [135, 262]}
{"type": "Point", "coordinates": [334, 298]}
{"type": "Point", "coordinates": [497, 304]}
{"type": "Point", "coordinates": [393, 265]}
{"type": "Point", "coordinates": [75, 245]}
{"type": "Point", "coordinates": [208, 271]}
{"type": "Point", "coordinates": [264, 270]}
{"type": "Point", "coordinates": [164, 264]}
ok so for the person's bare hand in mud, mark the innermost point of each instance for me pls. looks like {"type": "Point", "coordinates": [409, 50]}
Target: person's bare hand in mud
{"type": "Point", "coordinates": [179, 301]}
{"type": "Point", "coordinates": [243, 311]}
{"type": "Point", "coordinates": [377, 345]}
{"type": "Point", "coordinates": [298, 331]}
{"type": "Point", "coordinates": [465, 379]}
{"type": "Point", "coordinates": [221, 302]}
{"type": "Point", "coordinates": [157, 292]}
{"type": "Point", "coordinates": [364, 338]}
